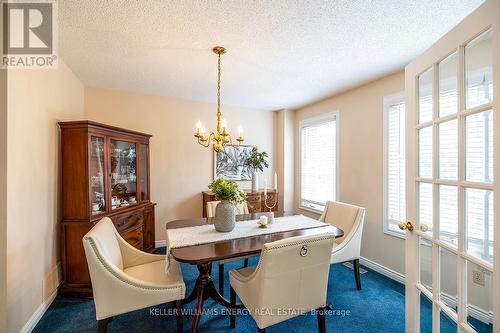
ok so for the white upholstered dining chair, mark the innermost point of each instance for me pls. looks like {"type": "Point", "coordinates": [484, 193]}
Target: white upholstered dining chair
{"type": "Point", "coordinates": [125, 279]}
{"type": "Point", "coordinates": [350, 219]}
{"type": "Point", "coordinates": [240, 210]}
{"type": "Point", "coordinates": [291, 278]}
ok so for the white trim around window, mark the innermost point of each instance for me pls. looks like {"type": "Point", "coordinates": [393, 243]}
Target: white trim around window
{"type": "Point", "coordinates": [317, 206]}
{"type": "Point", "coordinates": [389, 224]}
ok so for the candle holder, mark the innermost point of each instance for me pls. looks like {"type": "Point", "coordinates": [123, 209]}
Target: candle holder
{"type": "Point", "coordinates": [266, 199]}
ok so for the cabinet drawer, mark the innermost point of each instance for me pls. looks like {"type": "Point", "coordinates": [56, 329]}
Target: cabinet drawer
{"type": "Point", "coordinates": [254, 198]}
{"type": "Point", "coordinates": [134, 237]}
{"type": "Point", "coordinates": [124, 222]}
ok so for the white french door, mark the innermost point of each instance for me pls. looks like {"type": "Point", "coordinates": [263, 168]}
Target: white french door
{"type": "Point", "coordinates": [453, 173]}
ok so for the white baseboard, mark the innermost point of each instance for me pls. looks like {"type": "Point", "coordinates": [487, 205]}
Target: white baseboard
{"type": "Point", "coordinates": [474, 311]}
{"type": "Point", "coordinates": [398, 277]}
{"type": "Point", "coordinates": [480, 314]}
{"type": "Point", "coordinates": [160, 243]}
{"type": "Point", "coordinates": [35, 318]}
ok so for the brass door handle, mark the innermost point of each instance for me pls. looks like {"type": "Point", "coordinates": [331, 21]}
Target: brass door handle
{"type": "Point", "coordinates": [406, 226]}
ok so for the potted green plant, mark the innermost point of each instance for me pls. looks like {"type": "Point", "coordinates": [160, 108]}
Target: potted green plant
{"type": "Point", "coordinates": [229, 195]}
{"type": "Point", "coordinates": [257, 161]}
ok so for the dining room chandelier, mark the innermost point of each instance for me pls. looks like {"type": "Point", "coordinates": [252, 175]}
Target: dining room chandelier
{"type": "Point", "coordinates": [221, 137]}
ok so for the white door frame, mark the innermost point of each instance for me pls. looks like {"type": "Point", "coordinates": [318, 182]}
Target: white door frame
{"type": "Point", "coordinates": [487, 15]}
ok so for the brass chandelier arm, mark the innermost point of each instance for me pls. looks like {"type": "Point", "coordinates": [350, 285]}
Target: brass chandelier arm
{"type": "Point", "coordinates": [205, 141]}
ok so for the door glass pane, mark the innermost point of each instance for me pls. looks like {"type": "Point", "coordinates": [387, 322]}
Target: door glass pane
{"type": "Point", "coordinates": [479, 298]}
{"type": "Point", "coordinates": [123, 176]}
{"type": "Point", "coordinates": [479, 147]}
{"type": "Point", "coordinates": [425, 207]}
{"type": "Point", "coordinates": [448, 85]}
{"type": "Point", "coordinates": [448, 214]}
{"type": "Point", "coordinates": [448, 278]}
{"type": "Point", "coordinates": [144, 172]}
{"type": "Point", "coordinates": [479, 70]}
{"type": "Point", "coordinates": [448, 149]}
{"type": "Point", "coordinates": [479, 223]}
{"type": "Point", "coordinates": [446, 324]}
{"type": "Point", "coordinates": [425, 259]}
{"type": "Point", "coordinates": [425, 152]}
{"type": "Point", "coordinates": [97, 191]}
{"type": "Point", "coordinates": [425, 314]}
{"type": "Point", "coordinates": [425, 96]}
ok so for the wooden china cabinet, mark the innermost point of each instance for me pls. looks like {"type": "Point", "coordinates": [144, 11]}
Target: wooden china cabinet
{"type": "Point", "coordinates": [105, 172]}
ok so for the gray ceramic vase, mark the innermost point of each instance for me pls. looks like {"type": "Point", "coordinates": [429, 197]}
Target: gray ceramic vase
{"type": "Point", "coordinates": [224, 219]}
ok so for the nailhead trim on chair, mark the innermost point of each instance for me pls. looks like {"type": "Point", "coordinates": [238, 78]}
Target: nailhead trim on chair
{"type": "Point", "coordinates": [266, 250]}
{"type": "Point", "coordinates": [110, 270]}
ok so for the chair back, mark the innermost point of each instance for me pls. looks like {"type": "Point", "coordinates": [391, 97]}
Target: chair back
{"type": "Point", "coordinates": [347, 217]}
{"type": "Point", "coordinates": [292, 275]}
{"type": "Point", "coordinates": [101, 241]}
{"type": "Point", "coordinates": [240, 208]}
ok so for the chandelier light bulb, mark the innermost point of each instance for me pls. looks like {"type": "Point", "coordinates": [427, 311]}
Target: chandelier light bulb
{"type": "Point", "coordinates": [223, 123]}
{"type": "Point", "coordinates": [198, 125]}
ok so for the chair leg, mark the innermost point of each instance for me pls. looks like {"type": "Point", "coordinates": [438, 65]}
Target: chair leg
{"type": "Point", "coordinates": [357, 275]}
{"type": "Point", "coordinates": [246, 262]}
{"type": "Point", "coordinates": [102, 325]}
{"type": "Point", "coordinates": [261, 330]}
{"type": "Point", "coordinates": [221, 279]}
{"type": "Point", "coordinates": [180, 319]}
{"type": "Point", "coordinates": [233, 311]}
{"type": "Point", "coordinates": [321, 320]}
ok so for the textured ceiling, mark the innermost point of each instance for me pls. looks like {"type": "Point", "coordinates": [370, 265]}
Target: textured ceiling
{"type": "Point", "coordinates": [281, 53]}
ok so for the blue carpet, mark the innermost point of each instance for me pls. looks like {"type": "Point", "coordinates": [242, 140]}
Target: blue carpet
{"type": "Point", "coordinates": [379, 307]}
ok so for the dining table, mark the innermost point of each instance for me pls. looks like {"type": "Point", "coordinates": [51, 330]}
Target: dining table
{"type": "Point", "coordinates": [204, 254]}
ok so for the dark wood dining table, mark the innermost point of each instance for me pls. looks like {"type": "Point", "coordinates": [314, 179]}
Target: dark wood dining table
{"type": "Point", "coordinates": [204, 254]}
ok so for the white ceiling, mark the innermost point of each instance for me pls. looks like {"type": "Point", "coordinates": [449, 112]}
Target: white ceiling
{"type": "Point", "coordinates": [281, 53]}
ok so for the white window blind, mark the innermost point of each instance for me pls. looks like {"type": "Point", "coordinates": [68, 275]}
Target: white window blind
{"type": "Point", "coordinates": [395, 199]}
{"type": "Point", "coordinates": [318, 162]}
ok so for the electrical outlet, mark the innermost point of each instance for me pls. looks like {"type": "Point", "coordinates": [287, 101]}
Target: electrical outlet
{"type": "Point", "coordinates": [478, 277]}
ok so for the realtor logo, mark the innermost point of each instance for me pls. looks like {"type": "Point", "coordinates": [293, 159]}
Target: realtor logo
{"type": "Point", "coordinates": [29, 34]}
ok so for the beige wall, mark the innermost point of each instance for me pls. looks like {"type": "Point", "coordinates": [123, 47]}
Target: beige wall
{"type": "Point", "coordinates": [284, 131]}
{"type": "Point", "coordinates": [3, 200]}
{"type": "Point", "coordinates": [180, 168]}
{"type": "Point", "coordinates": [37, 100]}
{"type": "Point", "coordinates": [361, 160]}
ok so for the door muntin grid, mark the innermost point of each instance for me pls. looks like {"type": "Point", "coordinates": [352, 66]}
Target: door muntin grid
{"type": "Point", "coordinates": [453, 227]}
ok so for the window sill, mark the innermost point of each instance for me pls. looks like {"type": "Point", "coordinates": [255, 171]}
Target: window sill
{"type": "Point", "coordinates": [395, 233]}
{"type": "Point", "coordinates": [311, 210]}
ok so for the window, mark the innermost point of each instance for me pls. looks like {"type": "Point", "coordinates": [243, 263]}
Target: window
{"type": "Point", "coordinates": [394, 164]}
{"type": "Point", "coordinates": [318, 162]}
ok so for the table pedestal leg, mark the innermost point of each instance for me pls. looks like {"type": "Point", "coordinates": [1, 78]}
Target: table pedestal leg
{"type": "Point", "coordinates": [203, 289]}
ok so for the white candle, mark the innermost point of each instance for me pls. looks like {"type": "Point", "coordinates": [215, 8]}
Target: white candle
{"type": "Point", "coordinates": [263, 220]}
{"type": "Point", "coordinates": [198, 127]}
{"type": "Point", "coordinates": [275, 181]}
{"type": "Point", "coordinates": [265, 186]}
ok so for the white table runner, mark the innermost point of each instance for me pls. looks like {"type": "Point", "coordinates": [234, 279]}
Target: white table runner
{"type": "Point", "coordinates": [181, 237]}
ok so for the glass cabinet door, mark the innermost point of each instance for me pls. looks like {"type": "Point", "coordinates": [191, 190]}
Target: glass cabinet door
{"type": "Point", "coordinates": [143, 171]}
{"type": "Point", "coordinates": [97, 189]}
{"type": "Point", "coordinates": [123, 173]}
